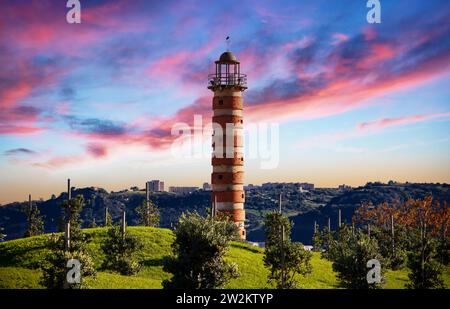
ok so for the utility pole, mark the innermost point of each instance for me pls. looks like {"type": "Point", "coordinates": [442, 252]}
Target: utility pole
{"type": "Point", "coordinates": [30, 205]}
{"type": "Point", "coordinates": [339, 218]}
{"type": "Point", "coordinates": [123, 225]}
{"type": "Point", "coordinates": [214, 207]}
{"type": "Point", "coordinates": [393, 235]}
{"type": "Point", "coordinates": [283, 270]}
{"type": "Point", "coordinates": [353, 228]}
{"type": "Point", "coordinates": [279, 203]}
{"type": "Point", "coordinates": [315, 227]}
{"type": "Point", "coordinates": [283, 275]}
{"type": "Point", "coordinates": [68, 216]}
{"type": "Point", "coordinates": [106, 216]}
{"type": "Point", "coordinates": [329, 224]}
{"type": "Point", "coordinates": [147, 204]}
{"type": "Point", "coordinates": [368, 229]}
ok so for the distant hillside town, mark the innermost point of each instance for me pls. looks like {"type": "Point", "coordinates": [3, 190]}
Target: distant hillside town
{"type": "Point", "coordinates": [302, 202]}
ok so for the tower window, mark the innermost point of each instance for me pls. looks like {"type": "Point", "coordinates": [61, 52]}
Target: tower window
{"type": "Point", "coordinates": [220, 176]}
{"type": "Point", "coordinates": [242, 195]}
{"type": "Point", "coordinates": [220, 102]}
{"type": "Point", "coordinates": [242, 121]}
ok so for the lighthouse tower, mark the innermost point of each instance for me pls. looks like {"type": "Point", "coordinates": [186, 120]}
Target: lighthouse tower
{"type": "Point", "coordinates": [227, 178]}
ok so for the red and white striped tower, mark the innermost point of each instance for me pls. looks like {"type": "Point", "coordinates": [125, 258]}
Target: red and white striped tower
{"type": "Point", "coordinates": [227, 178]}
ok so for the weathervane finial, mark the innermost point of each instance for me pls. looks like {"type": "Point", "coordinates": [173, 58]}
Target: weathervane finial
{"type": "Point", "coordinates": [227, 39]}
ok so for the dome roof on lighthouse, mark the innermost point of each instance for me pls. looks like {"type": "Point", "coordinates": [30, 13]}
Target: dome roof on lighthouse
{"type": "Point", "coordinates": [228, 57]}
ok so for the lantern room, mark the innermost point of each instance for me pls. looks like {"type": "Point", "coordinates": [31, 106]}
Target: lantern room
{"type": "Point", "coordinates": [228, 73]}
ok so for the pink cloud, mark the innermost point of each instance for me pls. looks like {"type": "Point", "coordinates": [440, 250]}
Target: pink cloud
{"type": "Point", "coordinates": [383, 123]}
{"type": "Point", "coordinates": [369, 33]}
{"type": "Point", "coordinates": [10, 96]}
{"type": "Point", "coordinates": [339, 37]}
{"type": "Point", "coordinates": [370, 127]}
{"type": "Point", "coordinates": [17, 130]}
{"type": "Point", "coordinates": [97, 150]}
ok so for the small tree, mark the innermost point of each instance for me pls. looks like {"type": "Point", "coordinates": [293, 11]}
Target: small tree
{"type": "Point", "coordinates": [394, 256]}
{"type": "Point", "coordinates": [317, 241]}
{"type": "Point", "coordinates": [198, 253]}
{"type": "Point", "coordinates": [148, 214]}
{"type": "Point", "coordinates": [443, 215]}
{"type": "Point", "coordinates": [350, 253]}
{"type": "Point", "coordinates": [108, 218]}
{"type": "Point", "coordinates": [2, 236]}
{"type": "Point", "coordinates": [93, 223]}
{"type": "Point", "coordinates": [35, 224]}
{"type": "Point", "coordinates": [120, 251]}
{"type": "Point", "coordinates": [286, 260]}
{"type": "Point", "coordinates": [444, 250]}
{"type": "Point", "coordinates": [54, 268]}
{"type": "Point", "coordinates": [426, 271]}
{"type": "Point", "coordinates": [327, 239]}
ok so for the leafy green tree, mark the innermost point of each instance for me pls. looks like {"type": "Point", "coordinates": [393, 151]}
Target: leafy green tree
{"type": "Point", "coordinates": [93, 223]}
{"type": "Point", "coordinates": [350, 253]}
{"type": "Point", "coordinates": [317, 241]}
{"type": "Point", "coordinates": [108, 218]}
{"type": "Point", "coordinates": [120, 251]}
{"type": "Point", "coordinates": [198, 253]}
{"type": "Point", "coordinates": [444, 250]}
{"type": "Point", "coordinates": [423, 261]}
{"type": "Point", "coordinates": [54, 268]}
{"type": "Point", "coordinates": [286, 260]}
{"type": "Point", "coordinates": [148, 214]}
{"type": "Point", "coordinates": [35, 223]}
{"type": "Point", "coordinates": [394, 252]}
{"type": "Point", "coordinates": [327, 239]}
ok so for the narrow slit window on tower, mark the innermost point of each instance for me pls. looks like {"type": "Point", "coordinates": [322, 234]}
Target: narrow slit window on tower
{"type": "Point", "coordinates": [242, 195]}
{"type": "Point", "coordinates": [220, 176]}
{"type": "Point", "coordinates": [220, 102]}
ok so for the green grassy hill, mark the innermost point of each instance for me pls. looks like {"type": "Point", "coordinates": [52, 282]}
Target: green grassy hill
{"type": "Point", "coordinates": [20, 260]}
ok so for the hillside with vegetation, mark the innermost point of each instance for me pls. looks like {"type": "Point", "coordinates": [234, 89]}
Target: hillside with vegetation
{"type": "Point", "coordinates": [302, 206]}
{"type": "Point", "coordinates": [20, 261]}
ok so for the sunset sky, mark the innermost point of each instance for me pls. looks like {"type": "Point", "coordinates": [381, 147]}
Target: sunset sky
{"type": "Point", "coordinates": [96, 101]}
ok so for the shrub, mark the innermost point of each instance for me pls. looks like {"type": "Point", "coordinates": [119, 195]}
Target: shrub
{"type": "Point", "coordinates": [286, 260]}
{"type": "Point", "coordinates": [198, 253]}
{"type": "Point", "coordinates": [120, 252]}
{"type": "Point", "coordinates": [350, 254]}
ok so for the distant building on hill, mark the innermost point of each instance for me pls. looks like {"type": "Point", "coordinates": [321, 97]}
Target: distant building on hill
{"type": "Point", "coordinates": [156, 185]}
{"type": "Point", "coordinates": [251, 187]}
{"type": "Point", "coordinates": [306, 186]}
{"type": "Point", "coordinates": [344, 187]}
{"type": "Point", "coordinates": [206, 186]}
{"type": "Point", "coordinates": [301, 186]}
{"type": "Point", "coordinates": [183, 190]}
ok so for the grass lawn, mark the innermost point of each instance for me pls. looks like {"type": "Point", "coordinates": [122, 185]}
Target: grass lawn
{"type": "Point", "coordinates": [20, 260]}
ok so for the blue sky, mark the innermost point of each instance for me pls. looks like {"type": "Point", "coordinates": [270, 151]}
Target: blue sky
{"type": "Point", "coordinates": [96, 101]}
